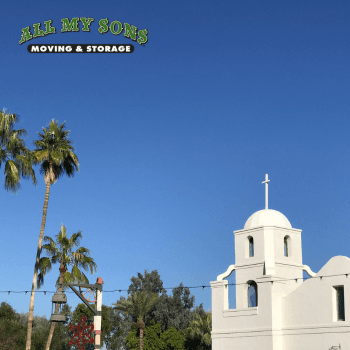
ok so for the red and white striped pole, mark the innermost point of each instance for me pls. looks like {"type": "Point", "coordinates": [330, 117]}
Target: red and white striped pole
{"type": "Point", "coordinates": [97, 318]}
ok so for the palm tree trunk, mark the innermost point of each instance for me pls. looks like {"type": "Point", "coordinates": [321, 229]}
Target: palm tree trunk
{"type": "Point", "coordinates": [53, 324]}
{"type": "Point", "coordinates": [32, 296]}
{"type": "Point", "coordinates": [141, 325]}
{"type": "Point", "coordinates": [52, 328]}
{"type": "Point", "coordinates": [141, 338]}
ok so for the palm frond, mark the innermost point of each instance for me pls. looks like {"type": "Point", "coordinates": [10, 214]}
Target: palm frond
{"type": "Point", "coordinates": [83, 250]}
{"type": "Point", "coordinates": [12, 176]}
{"type": "Point", "coordinates": [41, 154]}
{"type": "Point", "coordinates": [200, 328]}
{"type": "Point", "coordinates": [88, 263]}
{"type": "Point", "coordinates": [137, 305]}
{"type": "Point", "coordinates": [75, 239]}
{"type": "Point", "coordinates": [49, 249]}
{"type": "Point", "coordinates": [84, 279]}
{"type": "Point", "coordinates": [56, 258]}
{"type": "Point", "coordinates": [44, 267]}
{"type": "Point", "coordinates": [50, 240]}
{"type": "Point", "coordinates": [76, 272]}
{"type": "Point", "coordinates": [55, 153]}
{"type": "Point", "coordinates": [13, 153]}
{"type": "Point", "coordinates": [60, 251]}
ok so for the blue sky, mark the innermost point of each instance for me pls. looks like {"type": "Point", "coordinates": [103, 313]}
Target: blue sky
{"type": "Point", "coordinates": [175, 139]}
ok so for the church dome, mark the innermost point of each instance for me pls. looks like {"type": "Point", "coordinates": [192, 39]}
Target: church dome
{"type": "Point", "coordinates": [267, 217]}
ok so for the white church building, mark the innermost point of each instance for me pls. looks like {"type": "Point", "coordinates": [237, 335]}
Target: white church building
{"type": "Point", "coordinates": [275, 308]}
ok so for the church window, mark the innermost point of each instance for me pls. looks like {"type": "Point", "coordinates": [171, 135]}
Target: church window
{"type": "Point", "coordinates": [339, 303]}
{"type": "Point", "coordinates": [251, 246]}
{"type": "Point", "coordinates": [287, 246]}
{"type": "Point", "coordinates": [252, 294]}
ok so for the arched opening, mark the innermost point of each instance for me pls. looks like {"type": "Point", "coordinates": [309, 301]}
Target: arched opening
{"type": "Point", "coordinates": [251, 246]}
{"type": "Point", "coordinates": [286, 246]}
{"type": "Point", "coordinates": [339, 303]}
{"type": "Point", "coordinates": [231, 290]}
{"type": "Point", "coordinates": [252, 294]}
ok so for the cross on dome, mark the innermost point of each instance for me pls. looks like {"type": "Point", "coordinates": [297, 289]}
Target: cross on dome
{"type": "Point", "coordinates": [266, 182]}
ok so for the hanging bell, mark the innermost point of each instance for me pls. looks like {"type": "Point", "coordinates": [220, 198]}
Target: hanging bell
{"type": "Point", "coordinates": [58, 299]}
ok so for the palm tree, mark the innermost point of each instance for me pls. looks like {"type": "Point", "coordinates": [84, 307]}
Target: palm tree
{"type": "Point", "coordinates": [55, 154]}
{"type": "Point", "coordinates": [61, 252]}
{"type": "Point", "coordinates": [17, 158]}
{"type": "Point", "coordinates": [136, 306]}
{"type": "Point", "coordinates": [200, 329]}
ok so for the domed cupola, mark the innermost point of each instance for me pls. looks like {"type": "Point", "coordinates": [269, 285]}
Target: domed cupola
{"type": "Point", "coordinates": [268, 243]}
{"type": "Point", "coordinates": [267, 217]}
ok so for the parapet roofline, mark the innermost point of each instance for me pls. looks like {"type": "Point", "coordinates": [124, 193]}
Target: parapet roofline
{"type": "Point", "coordinates": [257, 228]}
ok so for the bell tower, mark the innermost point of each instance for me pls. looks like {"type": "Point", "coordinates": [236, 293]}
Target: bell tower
{"type": "Point", "coordinates": [268, 253]}
{"type": "Point", "coordinates": [269, 268]}
{"type": "Point", "coordinates": [267, 248]}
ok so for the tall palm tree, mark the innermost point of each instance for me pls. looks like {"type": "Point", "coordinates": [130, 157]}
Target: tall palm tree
{"type": "Point", "coordinates": [17, 158]}
{"type": "Point", "coordinates": [61, 252]}
{"type": "Point", "coordinates": [200, 328]}
{"type": "Point", "coordinates": [55, 154]}
{"type": "Point", "coordinates": [136, 306]}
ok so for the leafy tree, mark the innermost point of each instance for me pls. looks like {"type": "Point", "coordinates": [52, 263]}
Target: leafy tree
{"type": "Point", "coordinates": [80, 311]}
{"type": "Point", "coordinates": [106, 326]}
{"type": "Point", "coordinates": [13, 327]}
{"type": "Point", "coordinates": [152, 338]}
{"type": "Point", "coordinates": [17, 158]}
{"type": "Point", "coordinates": [61, 337]}
{"type": "Point", "coordinates": [199, 331]}
{"type": "Point", "coordinates": [176, 310]}
{"type": "Point", "coordinates": [55, 154]}
{"type": "Point", "coordinates": [170, 311]}
{"type": "Point", "coordinates": [173, 339]}
{"type": "Point", "coordinates": [136, 306]}
{"type": "Point", "coordinates": [11, 330]}
{"type": "Point", "coordinates": [12, 335]}
{"type": "Point", "coordinates": [120, 327]}
{"type": "Point", "coordinates": [133, 339]}
{"type": "Point", "coordinates": [156, 339]}
{"type": "Point", "coordinates": [7, 312]}
{"type": "Point", "coordinates": [61, 252]}
{"type": "Point", "coordinates": [149, 282]}
{"type": "Point", "coordinates": [40, 331]}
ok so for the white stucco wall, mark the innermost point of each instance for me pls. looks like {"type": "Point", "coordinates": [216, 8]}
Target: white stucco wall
{"type": "Point", "coordinates": [291, 314]}
{"type": "Point", "coordinates": [309, 313]}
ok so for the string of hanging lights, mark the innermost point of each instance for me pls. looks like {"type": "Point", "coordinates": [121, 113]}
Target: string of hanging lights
{"type": "Point", "coordinates": [194, 287]}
